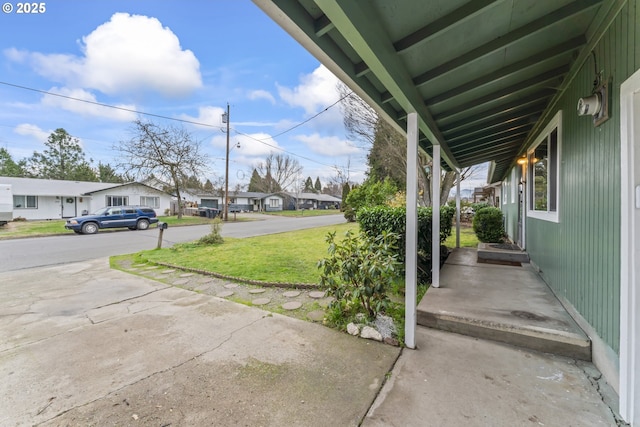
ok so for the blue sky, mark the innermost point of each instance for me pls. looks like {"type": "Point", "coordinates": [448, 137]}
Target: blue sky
{"type": "Point", "coordinates": [179, 59]}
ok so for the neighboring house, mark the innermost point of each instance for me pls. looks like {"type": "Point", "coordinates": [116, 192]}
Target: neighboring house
{"type": "Point", "coordinates": [37, 199]}
{"type": "Point", "coordinates": [243, 201]}
{"type": "Point", "coordinates": [311, 201]}
{"type": "Point", "coordinates": [501, 82]}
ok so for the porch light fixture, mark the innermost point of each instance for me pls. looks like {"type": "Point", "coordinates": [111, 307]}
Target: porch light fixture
{"type": "Point", "coordinates": [522, 161]}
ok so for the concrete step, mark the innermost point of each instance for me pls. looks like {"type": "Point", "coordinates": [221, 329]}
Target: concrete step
{"type": "Point", "coordinates": [502, 303]}
{"type": "Point", "coordinates": [501, 252]}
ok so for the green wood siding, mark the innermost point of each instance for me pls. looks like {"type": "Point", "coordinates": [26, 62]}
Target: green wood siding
{"type": "Point", "coordinates": [580, 256]}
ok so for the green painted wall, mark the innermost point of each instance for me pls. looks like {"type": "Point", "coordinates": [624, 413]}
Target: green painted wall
{"type": "Point", "coordinates": [579, 257]}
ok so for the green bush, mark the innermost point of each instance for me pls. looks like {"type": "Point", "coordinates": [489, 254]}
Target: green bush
{"type": "Point", "coordinates": [359, 271]}
{"type": "Point", "coordinates": [377, 220]}
{"type": "Point", "coordinates": [214, 237]}
{"type": "Point", "coordinates": [370, 193]}
{"type": "Point", "coordinates": [477, 206]}
{"type": "Point", "coordinates": [488, 225]}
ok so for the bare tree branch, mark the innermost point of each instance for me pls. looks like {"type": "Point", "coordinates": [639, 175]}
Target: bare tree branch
{"type": "Point", "coordinates": [169, 153]}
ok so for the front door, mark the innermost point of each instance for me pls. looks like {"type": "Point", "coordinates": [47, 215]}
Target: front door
{"type": "Point", "coordinates": [630, 251]}
{"type": "Point", "coordinates": [68, 207]}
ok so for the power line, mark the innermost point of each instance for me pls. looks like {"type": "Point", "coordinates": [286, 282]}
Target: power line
{"type": "Point", "coordinates": [262, 141]}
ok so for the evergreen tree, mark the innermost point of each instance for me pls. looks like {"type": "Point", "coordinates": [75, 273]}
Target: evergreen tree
{"type": "Point", "coordinates": [257, 183]}
{"type": "Point", "coordinates": [308, 186]}
{"type": "Point", "coordinates": [107, 174]}
{"type": "Point", "coordinates": [317, 186]}
{"type": "Point", "coordinates": [8, 167]}
{"type": "Point", "coordinates": [208, 186]}
{"type": "Point", "coordinates": [345, 192]}
{"type": "Point", "coordinates": [62, 159]}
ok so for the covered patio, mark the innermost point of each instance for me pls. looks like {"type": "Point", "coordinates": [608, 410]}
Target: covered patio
{"type": "Point", "coordinates": [481, 81]}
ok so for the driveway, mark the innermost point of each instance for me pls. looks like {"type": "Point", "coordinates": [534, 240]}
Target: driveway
{"type": "Point", "coordinates": [81, 344]}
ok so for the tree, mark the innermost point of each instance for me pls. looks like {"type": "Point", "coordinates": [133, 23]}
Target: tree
{"type": "Point", "coordinates": [108, 174]}
{"type": "Point", "coordinates": [256, 184]}
{"type": "Point", "coordinates": [388, 154]}
{"type": "Point", "coordinates": [168, 152]}
{"type": "Point", "coordinates": [8, 167]}
{"type": "Point", "coordinates": [62, 159]}
{"type": "Point", "coordinates": [317, 186]}
{"type": "Point", "coordinates": [308, 186]}
{"type": "Point", "coordinates": [208, 186]}
{"type": "Point", "coordinates": [280, 172]}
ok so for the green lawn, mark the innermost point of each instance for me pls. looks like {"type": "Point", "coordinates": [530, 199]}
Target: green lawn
{"type": "Point", "coordinates": [285, 257]}
{"type": "Point", "coordinates": [468, 238]}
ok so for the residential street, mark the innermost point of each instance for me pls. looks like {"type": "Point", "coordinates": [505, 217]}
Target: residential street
{"type": "Point", "coordinates": [19, 254]}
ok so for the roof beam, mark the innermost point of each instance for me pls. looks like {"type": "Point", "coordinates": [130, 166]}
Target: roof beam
{"type": "Point", "coordinates": [502, 109]}
{"type": "Point", "coordinates": [523, 115]}
{"type": "Point", "coordinates": [507, 71]}
{"type": "Point", "coordinates": [491, 140]}
{"type": "Point", "coordinates": [356, 23]}
{"type": "Point", "coordinates": [456, 17]}
{"type": "Point", "coordinates": [507, 92]}
{"type": "Point", "coordinates": [508, 39]}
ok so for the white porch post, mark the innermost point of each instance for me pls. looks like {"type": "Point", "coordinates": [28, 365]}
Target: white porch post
{"type": "Point", "coordinates": [435, 218]}
{"type": "Point", "coordinates": [458, 209]}
{"type": "Point", "coordinates": [411, 233]}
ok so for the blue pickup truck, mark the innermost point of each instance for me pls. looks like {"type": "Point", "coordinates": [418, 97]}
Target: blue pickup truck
{"type": "Point", "coordinates": [132, 217]}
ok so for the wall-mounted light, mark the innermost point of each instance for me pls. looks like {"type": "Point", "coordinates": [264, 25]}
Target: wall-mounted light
{"type": "Point", "coordinates": [522, 161]}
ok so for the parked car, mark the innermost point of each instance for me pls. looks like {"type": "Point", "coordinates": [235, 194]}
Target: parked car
{"type": "Point", "coordinates": [132, 217]}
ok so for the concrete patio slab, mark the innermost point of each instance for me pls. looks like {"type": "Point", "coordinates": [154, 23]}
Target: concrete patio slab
{"type": "Point", "coordinates": [454, 380]}
{"type": "Point", "coordinates": [502, 303]}
{"type": "Point", "coordinates": [86, 345]}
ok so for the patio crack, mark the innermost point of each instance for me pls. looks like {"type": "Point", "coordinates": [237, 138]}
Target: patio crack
{"type": "Point", "coordinates": [178, 365]}
{"type": "Point", "coordinates": [596, 379]}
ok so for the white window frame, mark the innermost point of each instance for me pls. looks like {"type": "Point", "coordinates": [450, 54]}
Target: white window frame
{"type": "Point", "coordinates": [144, 201]}
{"type": "Point", "coordinates": [109, 200]}
{"type": "Point", "coordinates": [505, 191]}
{"type": "Point", "coordinates": [549, 215]}
{"type": "Point", "coordinates": [25, 203]}
{"type": "Point", "coordinates": [274, 203]}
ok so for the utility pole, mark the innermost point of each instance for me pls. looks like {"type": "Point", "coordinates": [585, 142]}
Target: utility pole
{"type": "Point", "coordinates": [225, 119]}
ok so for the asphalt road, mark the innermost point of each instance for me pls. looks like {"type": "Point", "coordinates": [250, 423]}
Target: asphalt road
{"type": "Point", "coordinates": [19, 254]}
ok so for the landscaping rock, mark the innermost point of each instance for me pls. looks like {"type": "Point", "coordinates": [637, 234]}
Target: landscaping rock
{"type": "Point", "coordinates": [391, 341]}
{"type": "Point", "coordinates": [353, 329]}
{"type": "Point", "coordinates": [371, 334]}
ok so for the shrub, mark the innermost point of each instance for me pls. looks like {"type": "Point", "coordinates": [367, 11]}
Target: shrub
{"type": "Point", "coordinates": [213, 238]}
{"type": "Point", "coordinates": [370, 193]}
{"type": "Point", "coordinates": [377, 220]}
{"type": "Point", "coordinates": [488, 226]}
{"type": "Point", "coordinates": [359, 271]}
{"type": "Point", "coordinates": [477, 206]}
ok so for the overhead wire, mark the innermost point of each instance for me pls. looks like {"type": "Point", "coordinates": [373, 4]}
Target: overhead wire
{"type": "Point", "coordinates": [262, 141]}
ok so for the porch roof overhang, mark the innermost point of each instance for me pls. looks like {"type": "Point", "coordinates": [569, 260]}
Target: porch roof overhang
{"type": "Point", "coordinates": [482, 75]}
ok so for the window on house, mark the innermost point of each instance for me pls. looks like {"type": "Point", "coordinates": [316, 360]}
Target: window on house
{"type": "Point", "coordinates": [117, 200]}
{"type": "Point", "coordinates": [152, 202]}
{"type": "Point", "coordinates": [543, 172]}
{"type": "Point", "coordinates": [274, 203]}
{"type": "Point", "coordinates": [25, 202]}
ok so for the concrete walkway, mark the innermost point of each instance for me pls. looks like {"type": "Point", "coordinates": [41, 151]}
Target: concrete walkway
{"type": "Point", "coordinates": [81, 344]}
{"type": "Point", "coordinates": [487, 358]}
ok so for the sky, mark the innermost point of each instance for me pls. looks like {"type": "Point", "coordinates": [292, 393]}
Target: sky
{"type": "Point", "coordinates": [175, 63]}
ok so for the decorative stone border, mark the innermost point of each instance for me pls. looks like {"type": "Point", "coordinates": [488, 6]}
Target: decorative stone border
{"type": "Point", "coordinates": [240, 279]}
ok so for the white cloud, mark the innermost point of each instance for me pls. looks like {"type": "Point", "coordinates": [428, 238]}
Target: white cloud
{"type": "Point", "coordinates": [127, 54]}
{"type": "Point", "coordinates": [26, 129]}
{"type": "Point", "coordinates": [252, 147]}
{"type": "Point", "coordinates": [209, 115]}
{"type": "Point", "coordinates": [327, 145]}
{"type": "Point", "coordinates": [315, 92]}
{"type": "Point", "coordinates": [262, 94]}
{"type": "Point", "coordinates": [87, 108]}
